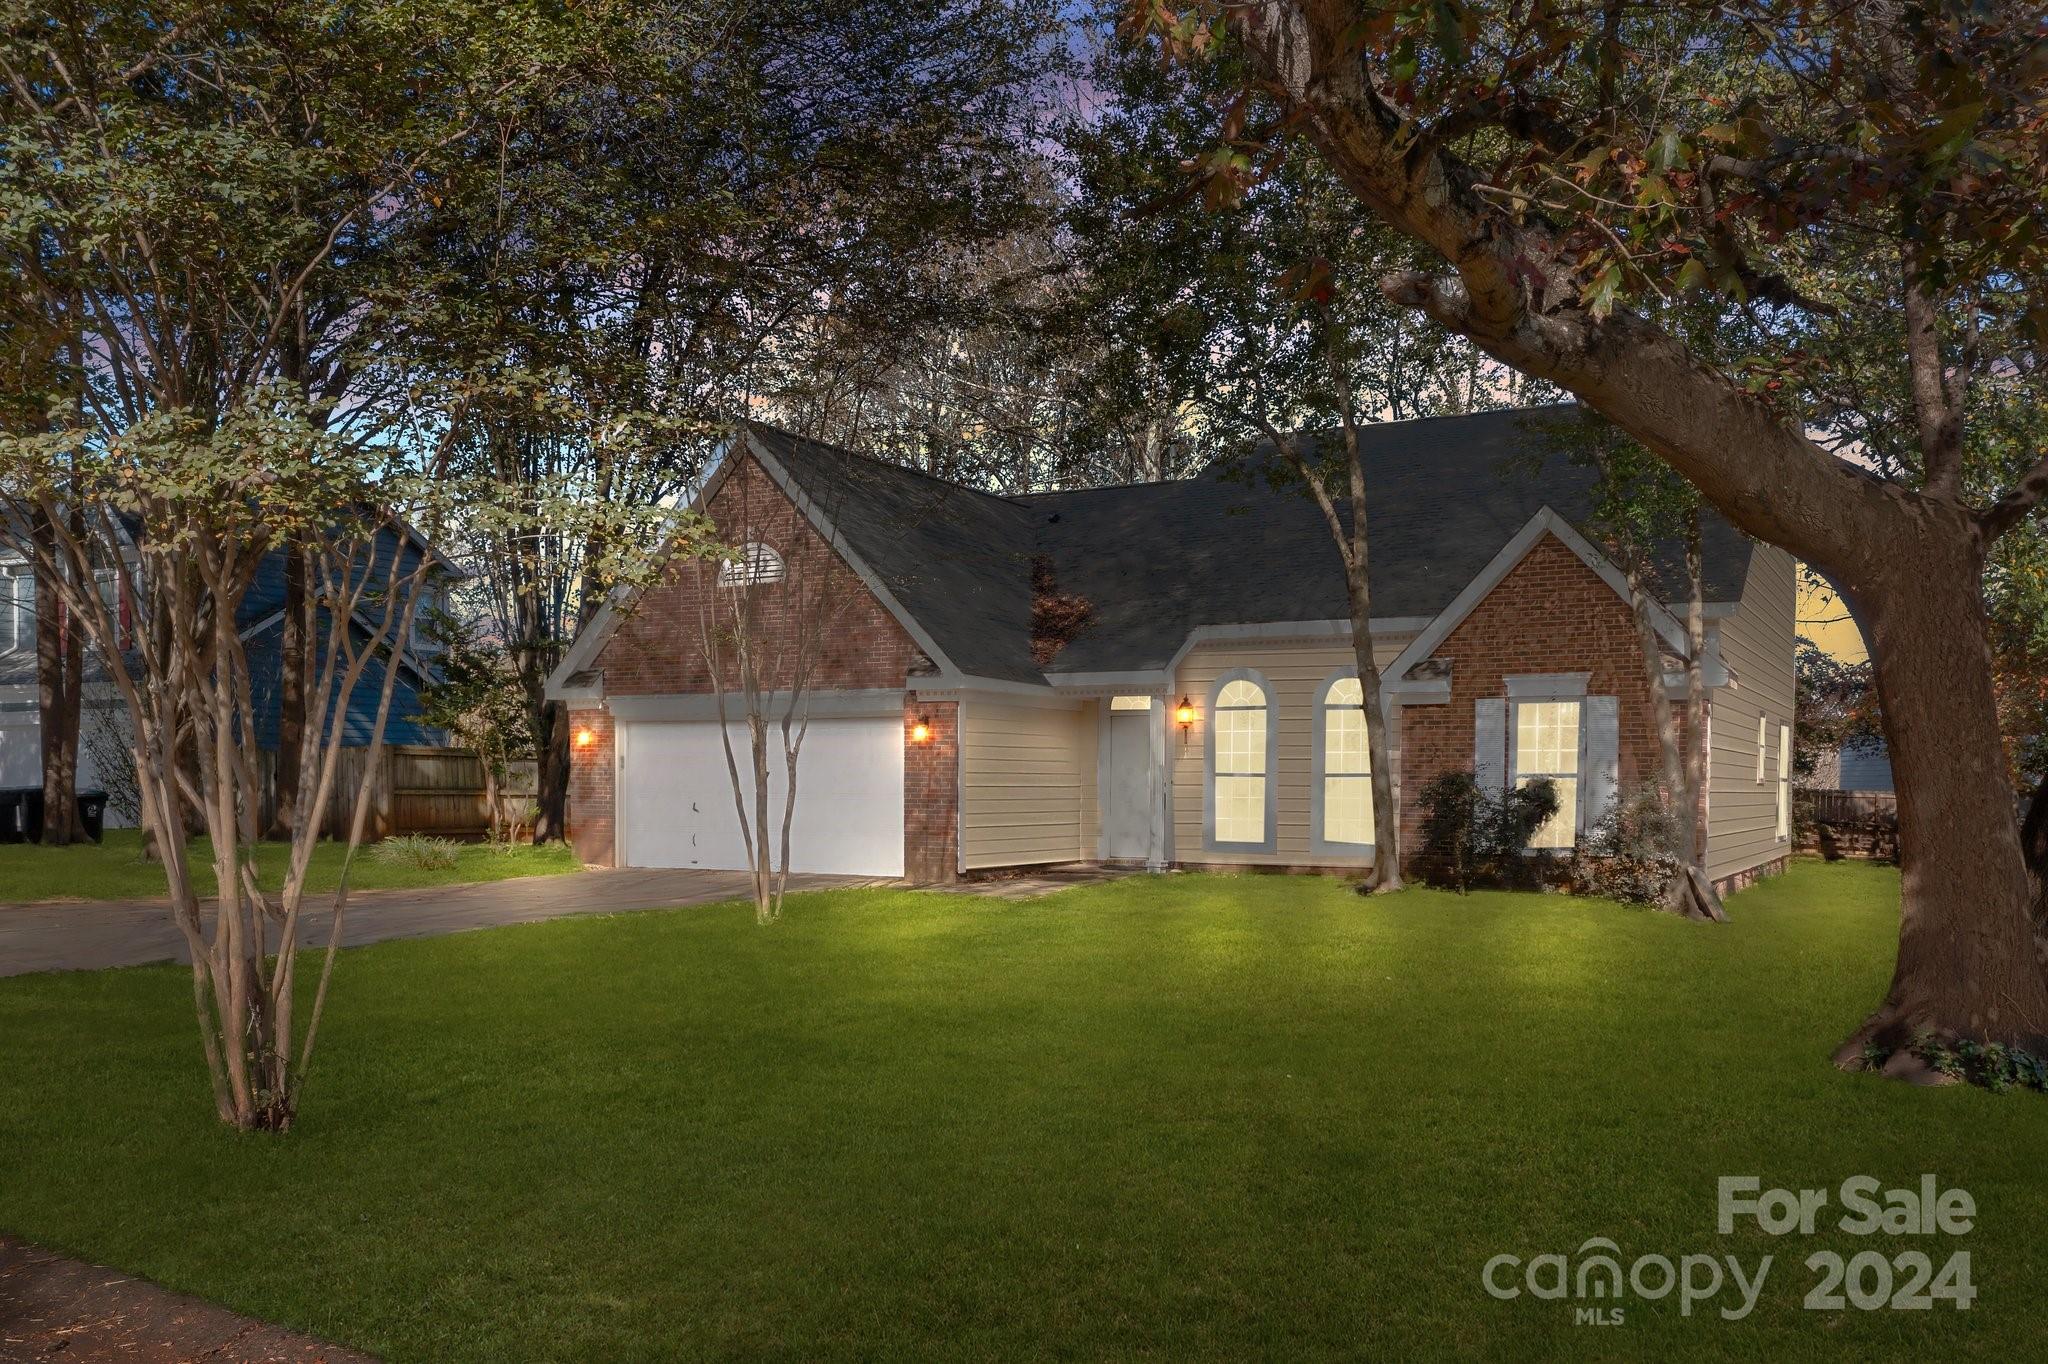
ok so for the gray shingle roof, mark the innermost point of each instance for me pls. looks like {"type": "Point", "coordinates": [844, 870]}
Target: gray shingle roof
{"type": "Point", "coordinates": [1228, 547]}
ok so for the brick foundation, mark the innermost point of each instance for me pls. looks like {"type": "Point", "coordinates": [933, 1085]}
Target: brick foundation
{"type": "Point", "coordinates": [931, 793]}
{"type": "Point", "coordinates": [1743, 880]}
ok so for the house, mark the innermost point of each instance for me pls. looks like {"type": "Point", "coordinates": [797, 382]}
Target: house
{"type": "Point", "coordinates": [103, 724]}
{"type": "Point", "coordinates": [1205, 715]}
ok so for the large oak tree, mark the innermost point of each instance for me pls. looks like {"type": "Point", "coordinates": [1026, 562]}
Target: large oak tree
{"type": "Point", "coordinates": [1797, 250]}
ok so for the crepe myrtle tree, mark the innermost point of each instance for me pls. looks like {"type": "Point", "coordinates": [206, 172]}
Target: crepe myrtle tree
{"type": "Point", "coordinates": [1797, 251]}
{"type": "Point", "coordinates": [204, 204]}
{"type": "Point", "coordinates": [203, 503]}
{"type": "Point", "coordinates": [1254, 317]}
{"type": "Point", "coordinates": [770, 594]}
{"type": "Point", "coordinates": [1638, 505]}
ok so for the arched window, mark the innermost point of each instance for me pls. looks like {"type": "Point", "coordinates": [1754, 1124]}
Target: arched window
{"type": "Point", "coordinates": [756, 563]}
{"type": "Point", "coordinates": [1341, 817]}
{"type": "Point", "coordinates": [1240, 788]}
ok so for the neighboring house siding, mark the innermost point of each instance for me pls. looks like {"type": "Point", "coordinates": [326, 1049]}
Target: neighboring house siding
{"type": "Point", "coordinates": [1296, 672]}
{"type": "Point", "coordinates": [1028, 782]}
{"type": "Point", "coordinates": [657, 648]}
{"type": "Point", "coordinates": [1865, 766]}
{"type": "Point", "coordinates": [1551, 614]}
{"type": "Point", "coordinates": [1756, 643]}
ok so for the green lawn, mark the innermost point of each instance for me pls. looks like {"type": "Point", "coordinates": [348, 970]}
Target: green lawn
{"type": "Point", "coordinates": [1183, 1117]}
{"type": "Point", "coordinates": [115, 869]}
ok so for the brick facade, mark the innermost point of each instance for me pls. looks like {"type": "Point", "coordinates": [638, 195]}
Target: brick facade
{"type": "Point", "coordinates": [931, 792]}
{"type": "Point", "coordinates": [591, 825]}
{"type": "Point", "coordinates": [1550, 614]}
{"type": "Point", "coordinates": [657, 650]}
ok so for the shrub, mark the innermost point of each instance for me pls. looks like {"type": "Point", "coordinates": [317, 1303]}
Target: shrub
{"type": "Point", "coordinates": [416, 850]}
{"type": "Point", "coordinates": [1987, 1065]}
{"type": "Point", "coordinates": [1628, 855]}
{"type": "Point", "coordinates": [1451, 805]}
{"type": "Point", "coordinates": [1471, 836]}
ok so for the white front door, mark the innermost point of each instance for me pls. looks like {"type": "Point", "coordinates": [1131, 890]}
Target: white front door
{"type": "Point", "coordinates": [1127, 786]}
{"type": "Point", "coordinates": [676, 809]}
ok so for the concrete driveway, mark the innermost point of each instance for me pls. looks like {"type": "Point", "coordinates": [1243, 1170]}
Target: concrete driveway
{"type": "Point", "coordinates": [88, 936]}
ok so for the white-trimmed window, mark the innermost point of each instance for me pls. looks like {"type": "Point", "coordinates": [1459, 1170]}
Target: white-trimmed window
{"type": "Point", "coordinates": [1546, 744]}
{"type": "Point", "coordinates": [17, 609]}
{"type": "Point", "coordinates": [1763, 745]}
{"type": "Point", "coordinates": [1343, 805]}
{"type": "Point", "coordinates": [1241, 764]}
{"type": "Point", "coordinates": [756, 563]}
{"type": "Point", "coordinates": [1784, 783]}
{"type": "Point", "coordinates": [1130, 703]}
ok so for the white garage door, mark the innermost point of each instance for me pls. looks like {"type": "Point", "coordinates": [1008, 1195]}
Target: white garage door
{"type": "Point", "coordinates": [676, 801]}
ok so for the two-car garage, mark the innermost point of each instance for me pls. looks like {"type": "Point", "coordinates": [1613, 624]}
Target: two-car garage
{"type": "Point", "coordinates": [675, 795]}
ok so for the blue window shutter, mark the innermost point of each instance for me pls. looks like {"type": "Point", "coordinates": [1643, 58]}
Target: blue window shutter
{"type": "Point", "coordinates": [1603, 758]}
{"type": "Point", "coordinates": [1490, 742]}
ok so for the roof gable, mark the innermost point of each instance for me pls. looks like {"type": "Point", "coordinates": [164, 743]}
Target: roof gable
{"type": "Point", "coordinates": [1448, 497]}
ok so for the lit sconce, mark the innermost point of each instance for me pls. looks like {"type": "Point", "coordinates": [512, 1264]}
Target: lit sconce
{"type": "Point", "coordinates": [921, 732]}
{"type": "Point", "coordinates": [584, 738]}
{"type": "Point", "coordinates": [1184, 716]}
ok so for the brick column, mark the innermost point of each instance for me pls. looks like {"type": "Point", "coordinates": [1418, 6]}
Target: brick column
{"type": "Point", "coordinates": [591, 773]}
{"type": "Point", "coordinates": [931, 792]}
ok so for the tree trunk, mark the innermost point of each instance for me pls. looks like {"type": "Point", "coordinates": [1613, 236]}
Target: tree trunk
{"type": "Point", "coordinates": [550, 724]}
{"type": "Point", "coordinates": [1696, 764]}
{"type": "Point", "coordinates": [1967, 964]}
{"type": "Point", "coordinates": [2034, 848]}
{"type": "Point", "coordinates": [295, 671]}
{"type": "Point", "coordinates": [1386, 815]}
{"type": "Point", "coordinates": [59, 659]}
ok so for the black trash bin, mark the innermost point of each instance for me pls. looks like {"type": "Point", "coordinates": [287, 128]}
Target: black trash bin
{"type": "Point", "coordinates": [14, 812]}
{"type": "Point", "coordinates": [21, 814]}
{"type": "Point", "coordinates": [92, 813]}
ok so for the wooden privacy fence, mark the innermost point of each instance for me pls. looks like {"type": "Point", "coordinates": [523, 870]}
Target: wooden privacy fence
{"type": "Point", "coordinates": [1848, 823]}
{"type": "Point", "coordinates": [416, 789]}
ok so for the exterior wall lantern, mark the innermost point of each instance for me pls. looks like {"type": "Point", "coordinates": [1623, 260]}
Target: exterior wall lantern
{"type": "Point", "coordinates": [584, 738]}
{"type": "Point", "coordinates": [1184, 716]}
{"type": "Point", "coordinates": [921, 732]}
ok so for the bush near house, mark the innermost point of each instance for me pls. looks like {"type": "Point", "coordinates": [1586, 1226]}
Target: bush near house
{"type": "Point", "coordinates": [1475, 837]}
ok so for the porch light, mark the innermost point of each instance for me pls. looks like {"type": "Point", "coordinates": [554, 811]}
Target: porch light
{"type": "Point", "coordinates": [1184, 716]}
{"type": "Point", "coordinates": [921, 732]}
{"type": "Point", "coordinates": [584, 738]}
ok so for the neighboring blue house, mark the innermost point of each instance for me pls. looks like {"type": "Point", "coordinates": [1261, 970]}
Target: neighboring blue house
{"type": "Point", "coordinates": [262, 618]}
{"type": "Point", "coordinates": [1866, 766]}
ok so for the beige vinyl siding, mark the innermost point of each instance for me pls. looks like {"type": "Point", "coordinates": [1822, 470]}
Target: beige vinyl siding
{"type": "Point", "coordinates": [1294, 671]}
{"type": "Point", "coordinates": [1027, 782]}
{"type": "Point", "coordinates": [1756, 642]}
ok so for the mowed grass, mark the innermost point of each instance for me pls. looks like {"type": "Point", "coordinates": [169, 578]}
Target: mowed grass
{"type": "Point", "coordinates": [116, 870]}
{"type": "Point", "coordinates": [1173, 1118]}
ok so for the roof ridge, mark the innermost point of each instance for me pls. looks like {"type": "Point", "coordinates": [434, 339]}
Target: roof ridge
{"type": "Point", "coordinates": [881, 463]}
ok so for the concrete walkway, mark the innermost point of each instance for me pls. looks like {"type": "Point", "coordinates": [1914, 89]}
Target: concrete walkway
{"type": "Point", "coordinates": [69, 1312]}
{"type": "Point", "coordinates": [89, 935]}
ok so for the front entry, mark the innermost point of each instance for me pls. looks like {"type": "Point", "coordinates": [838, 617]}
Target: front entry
{"type": "Point", "coordinates": [1127, 786]}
